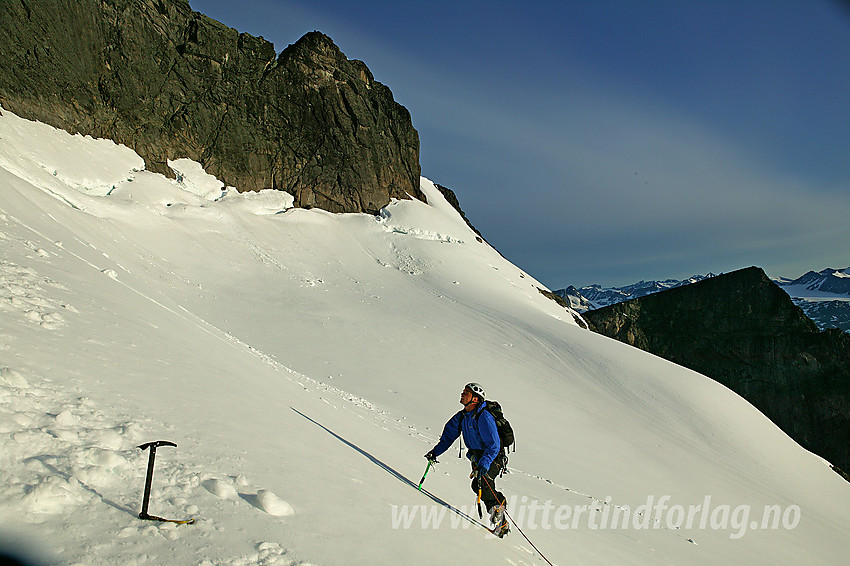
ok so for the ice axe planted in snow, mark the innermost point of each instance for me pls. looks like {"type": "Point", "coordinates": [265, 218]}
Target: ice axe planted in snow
{"type": "Point", "coordinates": [147, 497]}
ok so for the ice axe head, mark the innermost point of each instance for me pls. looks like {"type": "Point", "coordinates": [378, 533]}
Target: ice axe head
{"type": "Point", "coordinates": [156, 444]}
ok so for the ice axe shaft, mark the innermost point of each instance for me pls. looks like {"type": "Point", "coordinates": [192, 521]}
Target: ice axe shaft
{"type": "Point", "coordinates": [151, 458]}
{"type": "Point", "coordinates": [428, 467]}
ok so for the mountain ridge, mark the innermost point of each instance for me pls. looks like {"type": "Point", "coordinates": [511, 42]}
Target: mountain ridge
{"type": "Point", "coordinates": [742, 330]}
{"type": "Point", "coordinates": [819, 294]}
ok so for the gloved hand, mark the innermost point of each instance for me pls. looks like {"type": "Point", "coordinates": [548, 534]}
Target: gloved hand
{"type": "Point", "coordinates": [478, 472]}
{"type": "Point", "coordinates": [430, 456]}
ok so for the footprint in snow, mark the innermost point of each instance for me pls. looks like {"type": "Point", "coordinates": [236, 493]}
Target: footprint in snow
{"type": "Point", "coordinates": [264, 499]}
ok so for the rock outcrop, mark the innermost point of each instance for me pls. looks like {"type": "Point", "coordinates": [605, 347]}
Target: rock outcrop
{"type": "Point", "coordinates": [451, 197]}
{"type": "Point", "coordinates": [742, 330]}
{"type": "Point", "coordinates": [170, 83]}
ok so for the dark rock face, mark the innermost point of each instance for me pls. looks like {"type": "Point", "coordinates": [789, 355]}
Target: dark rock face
{"type": "Point", "coordinates": [742, 330]}
{"type": "Point", "coordinates": [170, 83]}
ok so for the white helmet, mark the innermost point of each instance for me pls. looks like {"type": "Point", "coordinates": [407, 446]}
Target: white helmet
{"type": "Point", "coordinates": [476, 389]}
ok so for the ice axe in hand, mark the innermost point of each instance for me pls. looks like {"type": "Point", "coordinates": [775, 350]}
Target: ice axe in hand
{"type": "Point", "coordinates": [147, 497]}
{"type": "Point", "coordinates": [431, 460]}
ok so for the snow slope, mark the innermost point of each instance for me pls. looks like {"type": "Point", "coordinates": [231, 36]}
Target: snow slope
{"type": "Point", "coordinates": [304, 362]}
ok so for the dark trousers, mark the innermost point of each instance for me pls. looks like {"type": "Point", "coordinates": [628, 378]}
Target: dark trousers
{"type": "Point", "coordinates": [489, 494]}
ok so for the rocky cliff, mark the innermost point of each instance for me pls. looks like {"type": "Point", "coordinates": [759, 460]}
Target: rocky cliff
{"type": "Point", "coordinates": [742, 330]}
{"type": "Point", "coordinates": [170, 83]}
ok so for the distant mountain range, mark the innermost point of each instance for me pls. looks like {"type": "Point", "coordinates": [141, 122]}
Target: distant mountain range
{"type": "Point", "coordinates": [824, 295]}
{"type": "Point", "coordinates": [593, 297]}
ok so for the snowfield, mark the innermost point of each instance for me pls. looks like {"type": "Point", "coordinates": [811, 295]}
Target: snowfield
{"type": "Point", "coordinates": [303, 362]}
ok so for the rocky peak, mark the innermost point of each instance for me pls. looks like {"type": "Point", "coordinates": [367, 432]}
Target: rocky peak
{"type": "Point", "coordinates": [170, 82]}
{"type": "Point", "coordinates": [315, 55]}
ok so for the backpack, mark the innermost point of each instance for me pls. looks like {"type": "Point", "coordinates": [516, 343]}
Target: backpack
{"type": "Point", "coordinates": [506, 432]}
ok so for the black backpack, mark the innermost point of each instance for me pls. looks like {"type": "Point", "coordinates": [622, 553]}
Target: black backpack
{"type": "Point", "coordinates": [506, 432]}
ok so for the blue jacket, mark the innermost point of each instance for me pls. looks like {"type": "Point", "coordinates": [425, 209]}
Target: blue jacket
{"type": "Point", "coordinates": [479, 433]}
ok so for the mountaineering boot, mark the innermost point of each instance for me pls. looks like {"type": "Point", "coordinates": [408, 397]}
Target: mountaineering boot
{"type": "Point", "coordinates": [497, 514]}
{"type": "Point", "coordinates": [501, 529]}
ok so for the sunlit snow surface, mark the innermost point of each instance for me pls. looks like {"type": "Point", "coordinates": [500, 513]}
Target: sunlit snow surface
{"type": "Point", "coordinates": [304, 362]}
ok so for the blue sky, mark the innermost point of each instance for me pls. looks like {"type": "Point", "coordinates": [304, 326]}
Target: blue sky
{"type": "Point", "coordinates": [610, 141]}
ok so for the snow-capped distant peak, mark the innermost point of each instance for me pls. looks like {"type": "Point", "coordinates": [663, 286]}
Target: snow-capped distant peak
{"type": "Point", "coordinates": [821, 284]}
